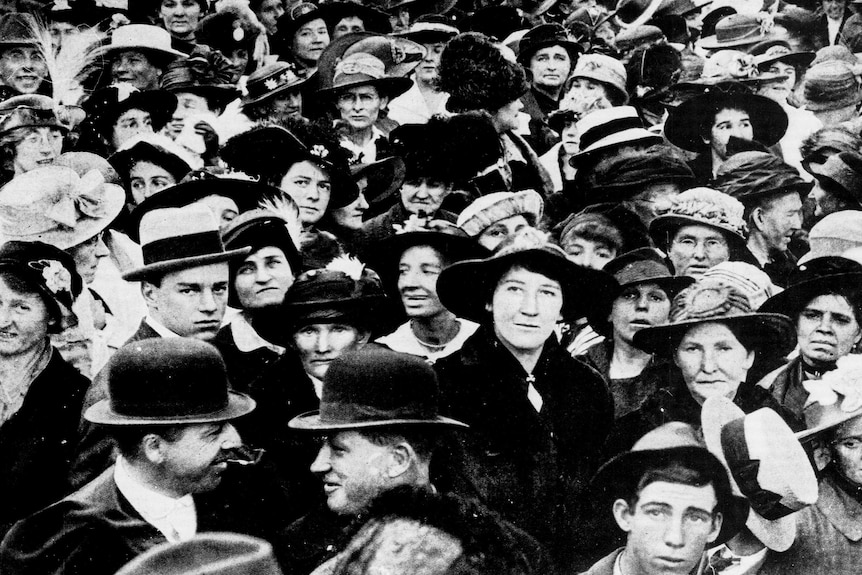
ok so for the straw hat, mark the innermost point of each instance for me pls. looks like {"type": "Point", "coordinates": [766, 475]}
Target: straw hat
{"type": "Point", "coordinates": [144, 37]}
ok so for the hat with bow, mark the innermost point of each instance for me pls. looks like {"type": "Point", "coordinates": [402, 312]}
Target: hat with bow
{"type": "Point", "coordinates": [57, 206]}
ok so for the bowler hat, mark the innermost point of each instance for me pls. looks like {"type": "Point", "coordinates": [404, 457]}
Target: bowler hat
{"type": "Point", "coordinates": [207, 554]}
{"type": "Point", "coordinates": [767, 465]}
{"type": "Point", "coordinates": [168, 381]}
{"type": "Point", "coordinates": [374, 388]}
{"type": "Point", "coordinates": [813, 278]}
{"type": "Point", "coordinates": [543, 36]}
{"type": "Point", "coordinates": [674, 443]}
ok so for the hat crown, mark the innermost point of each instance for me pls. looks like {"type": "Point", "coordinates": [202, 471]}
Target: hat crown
{"type": "Point", "coordinates": [709, 300]}
{"type": "Point", "coordinates": [17, 28]}
{"type": "Point", "coordinates": [638, 265]}
{"type": "Point", "coordinates": [30, 111]}
{"type": "Point", "coordinates": [711, 207]}
{"type": "Point", "coordinates": [137, 36]}
{"type": "Point", "coordinates": [359, 64]}
{"type": "Point", "coordinates": [335, 285]}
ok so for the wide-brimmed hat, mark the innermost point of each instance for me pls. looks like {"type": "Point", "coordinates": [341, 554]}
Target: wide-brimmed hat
{"type": "Point", "coordinates": [106, 105]}
{"type": "Point", "coordinates": [842, 174]}
{"type": "Point", "coordinates": [834, 235]}
{"type": "Point", "coordinates": [622, 176]}
{"type": "Point", "coordinates": [491, 208]}
{"type": "Point", "coordinates": [674, 443]}
{"type": "Point", "coordinates": [179, 238]}
{"type": "Point", "coordinates": [685, 123]}
{"type": "Point", "coordinates": [17, 29]}
{"type": "Point", "coordinates": [750, 176]}
{"type": "Point", "coordinates": [373, 19]}
{"type": "Point", "coordinates": [384, 179]}
{"type": "Point", "coordinates": [736, 30]}
{"type": "Point", "coordinates": [815, 277]}
{"type": "Point", "coordinates": [32, 111]}
{"type": "Point", "coordinates": [56, 206]}
{"type": "Point", "coordinates": [207, 75]}
{"type": "Point", "coordinates": [603, 130]}
{"type": "Point", "coordinates": [377, 388]}
{"type": "Point", "coordinates": [605, 69]}
{"type": "Point", "coordinates": [143, 37]}
{"type": "Point", "coordinates": [168, 381]}
{"type": "Point", "coordinates": [544, 36]}
{"type": "Point", "coordinates": [768, 53]}
{"type": "Point", "coordinates": [246, 193]}
{"type": "Point", "coordinates": [833, 399]}
{"type": "Point", "coordinates": [155, 149]}
{"type": "Point", "coordinates": [702, 207]}
{"type": "Point", "coordinates": [49, 271]}
{"type": "Point", "coordinates": [465, 288]}
{"type": "Point", "coordinates": [767, 465]}
{"type": "Point", "coordinates": [430, 28]}
{"type": "Point", "coordinates": [733, 66]}
{"type": "Point", "coordinates": [681, 7]}
{"type": "Point", "coordinates": [361, 69]}
{"type": "Point", "coordinates": [271, 80]}
{"type": "Point", "coordinates": [400, 56]}
{"type": "Point", "coordinates": [830, 85]}
{"type": "Point", "coordinates": [210, 553]}
{"type": "Point", "coordinates": [713, 301]}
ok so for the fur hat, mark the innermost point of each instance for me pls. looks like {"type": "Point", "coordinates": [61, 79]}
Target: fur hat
{"type": "Point", "coordinates": [477, 76]}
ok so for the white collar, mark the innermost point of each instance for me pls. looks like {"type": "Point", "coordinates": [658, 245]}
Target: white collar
{"type": "Point", "coordinates": [247, 339]}
{"type": "Point", "coordinates": [159, 327]}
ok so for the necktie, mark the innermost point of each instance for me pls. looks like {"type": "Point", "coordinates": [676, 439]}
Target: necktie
{"type": "Point", "coordinates": [722, 559]}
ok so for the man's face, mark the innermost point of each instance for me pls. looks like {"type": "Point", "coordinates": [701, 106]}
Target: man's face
{"type": "Point", "coordinates": [360, 106]}
{"type": "Point", "coordinates": [353, 471]}
{"type": "Point", "coordinates": [695, 249]}
{"type": "Point", "coordinates": [780, 219]}
{"type": "Point", "coordinates": [190, 302]}
{"type": "Point", "coordinates": [669, 528]}
{"type": "Point", "coordinates": [728, 123]}
{"type": "Point", "coordinates": [195, 461]}
{"type": "Point", "coordinates": [136, 68]}
{"type": "Point", "coordinates": [550, 67]}
{"type": "Point", "coordinates": [847, 450]}
{"type": "Point", "coordinates": [22, 68]}
{"type": "Point", "coordinates": [424, 195]}
{"type": "Point", "coordinates": [834, 9]}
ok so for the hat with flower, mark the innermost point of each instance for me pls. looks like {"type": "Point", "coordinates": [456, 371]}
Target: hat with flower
{"type": "Point", "coordinates": [57, 206]}
{"type": "Point", "coordinates": [833, 399]}
{"type": "Point", "coordinates": [209, 75]}
{"type": "Point", "coordinates": [271, 80]}
{"type": "Point", "coordinates": [51, 272]}
{"type": "Point", "coordinates": [399, 55]}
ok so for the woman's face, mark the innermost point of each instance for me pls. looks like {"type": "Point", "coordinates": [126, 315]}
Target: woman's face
{"type": "Point", "coordinates": [584, 89]}
{"type": "Point", "coordinates": [319, 344]}
{"type": "Point", "coordinates": [501, 230]}
{"type": "Point", "coordinates": [827, 329]}
{"type": "Point", "coordinates": [146, 179]}
{"type": "Point", "coordinates": [779, 91]}
{"type": "Point", "coordinates": [588, 253]}
{"type": "Point", "coordinates": [136, 68]}
{"type": "Point", "coordinates": [180, 17]}
{"type": "Point", "coordinates": [418, 270]}
{"type": "Point", "coordinates": [39, 147]}
{"type": "Point", "coordinates": [428, 70]}
{"type": "Point", "coordinates": [712, 361]}
{"type": "Point", "coordinates": [269, 13]}
{"type": "Point", "coordinates": [310, 188]}
{"type": "Point", "coordinates": [87, 255]}
{"type": "Point", "coordinates": [637, 307]}
{"type": "Point", "coordinates": [310, 41]}
{"type": "Point", "coordinates": [23, 321]}
{"type": "Point", "coordinates": [263, 278]}
{"type": "Point", "coordinates": [847, 450]}
{"type": "Point", "coordinates": [526, 306]}
{"type": "Point", "coordinates": [350, 216]}
{"type": "Point", "coordinates": [130, 123]}
{"type": "Point", "coordinates": [360, 106]}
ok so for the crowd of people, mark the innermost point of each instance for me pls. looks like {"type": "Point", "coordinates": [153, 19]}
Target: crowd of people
{"type": "Point", "coordinates": [427, 287]}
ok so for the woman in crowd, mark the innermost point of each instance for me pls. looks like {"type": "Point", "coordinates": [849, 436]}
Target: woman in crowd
{"type": "Point", "coordinates": [181, 18]}
{"type": "Point", "coordinates": [302, 36]}
{"type": "Point", "coordinates": [824, 300]}
{"type": "Point", "coordinates": [31, 134]}
{"type": "Point", "coordinates": [149, 163]}
{"type": "Point", "coordinates": [647, 287]}
{"type": "Point", "coordinates": [497, 217]}
{"type": "Point", "coordinates": [41, 395]}
{"type": "Point", "coordinates": [537, 415]}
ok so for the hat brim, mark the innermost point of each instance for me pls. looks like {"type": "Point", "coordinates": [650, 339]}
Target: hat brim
{"type": "Point", "coordinates": [626, 137]}
{"type": "Point", "coordinates": [310, 421]}
{"type": "Point", "coordinates": [791, 301]}
{"type": "Point", "coordinates": [713, 43]}
{"type": "Point", "coordinates": [388, 87]}
{"type": "Point", "coordinates": [124, 160]}
{"type": "Point", "coordinates": [107, 51]}
{"type": "Point", "coordinates": [799, 59]}
{"type": "Point", "coordinates": [663, 226]}
{"type": "Point", "coordinates": [618, 479]}
{"type": "Point", "coordinates": [779, 534]}
{"type": "Point", "coordinates": [573, 48]}
{"type": "Point", "coordinates": [167, 266]}
{"type": "Point", "coordinates": [387, 252]}
{"type": "Point", "coordinates": [770, 330]}
{"type": "Point", "coordinates": [239, 404]}
{"type": "Point", "coordinates": [295, 85]}
{"type": "Point", "coordinates": [622, 192]}
{"type": "Point", "coordinates": [809, 434]}
{"type": "Point", "coordinates": [769, 121]}
{"type": "Point", "coordinates": [384, 178]}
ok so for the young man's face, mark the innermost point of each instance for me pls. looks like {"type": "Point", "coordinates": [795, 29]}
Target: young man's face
{"type": "Point", "coordinates": [668, 528]}
{"type": "Point", "coordinates": [727, 123]}
{"type": "Point", "coordinates": [190, 302]}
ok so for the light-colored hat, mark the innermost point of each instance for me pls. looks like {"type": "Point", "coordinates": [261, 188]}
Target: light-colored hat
{"type": "Point", "coordinates": [141, 37]}
{"type": "Point", "coordinates": [56, 206]}
{"type": "Point", "coordinates": [833, 235]}
{"type": "Point", "coordinates": [767, 465]}
{"type": "Point", "coordinates": [361, 69]}
{"type": "Point", "coordinates": [620, 125]}
{"type": "Point", "coordinates": [179, 238]}
{"type": "Point", "coordinates": [604, 69]}
{"type": "Point", "coordinates": [486, 210]}
{"type": "Point", "coordinates": [747, 278]}
{"type": "Point", "coordinates": [835, 398]}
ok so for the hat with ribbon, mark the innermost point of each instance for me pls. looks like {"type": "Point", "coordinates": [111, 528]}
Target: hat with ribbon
{"type": "Point", "coordinates": [168, 381]}
{"type": "Point", "coordinates": [740, 30]}
{"type": "Point", "coordinates": [672, 444]}
{"type": "Point", "coordinates": [545, 36]}
{"type": "Point", "coordinates": [31, 111]}
{"type": "Point", "coordinates": [399, 55]}
{"type": "Point", "coordinates": [145, 38]}
{"type": "Point", "coordinates": [768, 53]}
{"type": "Point", "coordinates": [605, 69]}
{"type": "Point", "coordinates": [815, 277]}
{"type": "Point", "coordinates": [749, 176]}
{"type": "Point", "coordinates": [49, 271]}
{"type": "Point", "coordinates": [361, 69]}
{"type": "Point", "coordinates": [833, 399]}
{"type": "Point", "coordinates": [207, 553]}
{"type": "Point", "coordinates": [56, 206]}
{"type": "Point", "coordinates": [831, 85]}
{"type": "Point", "coordinates": [491, 208]}
{"type": "Point", "coordinates": [767, 465]}
{"type": "Point", "coordinates": [604, 130]}
{"type": "Point", "coordinates": [833, 235]}
{"type": "Point", "coordinates": [712, 301]}
{"type": "Point", "coordinates": [377, 388]}
{"type": "Point", "coordinates": [466, 287]}
{"type": "Point", "coordinates": [208, 75]}
{"type": "Point", "coordinates": [430, 29]}
{"type": "Point", "coordinates": [180, 238]}
{"type": "Point", "coordinates": [271, 80]}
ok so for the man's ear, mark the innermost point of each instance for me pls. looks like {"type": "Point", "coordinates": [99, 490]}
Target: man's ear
{"type": "Point", "coordinates": [717, 520]}
{"type": "Point", "coordinates": [402, 457]}
{"type": "Point", "coordinates": [362, 338]}
{"type": "Point", "coordinates": [622, 515]}
{"type": "Point", "coordinates": [150, 293]}
{"type": "Point", "coordinates": [757, 217]}
{"type": "Point", "coordinates": [384, 102]}
{"type": "Point", "coordinates": [152, 448]}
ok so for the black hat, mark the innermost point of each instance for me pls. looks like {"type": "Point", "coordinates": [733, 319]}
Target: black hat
{"type": "Point", "coordinates": [294, 17]}
{"type": "Point", "coordinates": [623, 175]}
{"type": "Point", "coordinates": [168, 381]}
{"type": "Point", "coordinates": [208, 75]}
{"type": "Point", "coordinates": [376, 388]}
{"type": "Point", "coordinates": [495, 21]}
{"type": "Point", "coordinates": [105, 106]}
{"type": "Point", "coordinates": [811, 279]}
{"type": "Point", "coordinates": [373, 19]}
{"type": "Point", "coordinates": [543, 36]}
{"type": "Point", "coordinates": [270, 81]}
{"type": "Point", "coordinates": [154, 148]}
{"type": "Point", "coordinates": [227, 30]}
{"type": "Point", "coordinates": [384, 179]}
{"type": "Point", "coordinates": [749, 176]}
{"type": "Point", "coordinates": [17, 29]}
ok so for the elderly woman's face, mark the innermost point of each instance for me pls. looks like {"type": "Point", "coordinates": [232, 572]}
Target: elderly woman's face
{"type": "Point", "coordinates": [23, 321]}
{"type": "Point", "coordinates": [847, 450]}
{"type": "Point", "coordinates": [827, 329]}
{"type": "Point", "coordinates": [695, 249]}
{"type": "Point", "coordinates": [263, 278]}
{"type": "Point", "coordinates": [39, 147]}
{"type": "Point", "coordinates": [637, 307]}
{"type": "Point", "coordinates": [360, 106]}
{"type": "Point", "coordinates": [525, 307]}
{"type": "Point", "coordinates": [310, 41]}
{"type": "Point", "coordinates": [319, 344]}
{"type": "Point", "coordinates": [712, 361]}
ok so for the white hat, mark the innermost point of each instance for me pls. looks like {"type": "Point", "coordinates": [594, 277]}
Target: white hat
{"type": "Point", "coordinates": [141, 37]}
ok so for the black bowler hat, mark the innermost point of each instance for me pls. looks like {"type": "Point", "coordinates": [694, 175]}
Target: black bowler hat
{"type": "Point", "coordinates": [168, 381]}
{"type": "Point", "coordinates": [376, 387]}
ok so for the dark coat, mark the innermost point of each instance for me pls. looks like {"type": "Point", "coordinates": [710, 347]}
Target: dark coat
{"type": "Point", "coordinates": [36, 443]}
{"type": "Point", "coordinates": [785, 385]}
{"type": "Point", "coordinates": [605, 565]}
{"type": "Point", "coordinates": [95, 531]}
{"type": "Point", "coordinates": [539, 106]}
{"type": "Point", "coordinates": [820, 34]}
{"type": "Point", "coordinates": [528, 466]}
{"type": "Point", "coordinates": [242, 367]}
